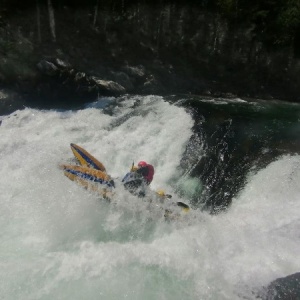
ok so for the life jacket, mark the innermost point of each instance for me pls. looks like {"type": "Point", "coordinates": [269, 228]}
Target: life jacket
{"type": "Point", "coordinates": [149, 175]}
{"type": "Point", "coordinates": [147, 171]}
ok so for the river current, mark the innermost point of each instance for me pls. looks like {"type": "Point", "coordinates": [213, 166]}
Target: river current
{"type": "Point", "coordinates": [236, 163]}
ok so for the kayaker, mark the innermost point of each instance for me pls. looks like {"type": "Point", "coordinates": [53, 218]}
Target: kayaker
{"type": "Point", "coordinates": [137, 180]}
{"type": "Point", "coordinates": [146, 170]}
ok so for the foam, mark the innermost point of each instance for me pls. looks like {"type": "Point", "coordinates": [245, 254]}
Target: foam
{"type": "Point", "coordinates": [60, 242]}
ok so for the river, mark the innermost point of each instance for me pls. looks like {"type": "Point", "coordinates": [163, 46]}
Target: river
{"type": "Point", "coordinates": [235, 162]}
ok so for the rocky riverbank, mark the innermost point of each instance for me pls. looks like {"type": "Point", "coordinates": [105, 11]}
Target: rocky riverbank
{"type": "Point", "coordinates": [66, 55]}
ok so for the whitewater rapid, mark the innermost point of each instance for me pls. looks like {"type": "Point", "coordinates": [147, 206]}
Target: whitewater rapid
{"type": "Point", "coordinates": [59, 241]}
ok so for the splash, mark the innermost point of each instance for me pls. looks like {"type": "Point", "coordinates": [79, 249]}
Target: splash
{"type": "Point", "coordinates": [60, 242]}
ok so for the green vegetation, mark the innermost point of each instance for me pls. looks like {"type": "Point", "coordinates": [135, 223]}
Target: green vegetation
{"type": "Point", "coordinates": [244, 47]}
{"type": "Point", "coordinates": [275, 22]}
{"type": "Point", "coordinates": [15, 56]}
{"type": "Point", "coordinates": [289, 19]}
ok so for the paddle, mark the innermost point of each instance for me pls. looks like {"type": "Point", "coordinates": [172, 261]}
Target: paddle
{"type": "Point", "coordinates": [162, 194]}
{"type": "Point", "coordinates": [183, 205]}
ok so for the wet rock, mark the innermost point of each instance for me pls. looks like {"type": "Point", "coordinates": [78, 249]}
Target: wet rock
{"type": "Point", "coordinates": [79, 76]}
{"type": "Point", "coordinates": [152, 86]}
{"type": "Point", "coordinates": [47, 67]}
{"type": "Point", "coordinates": [62, 64]}
{"type": "Point", "coordinates": [109, 86]}
{"type": "Point", "coordinates": [60, 80]}
{"type": "Point", "coordinates": [284, 288]}
{"type": "Point", "coordinates": [124, 80]}
{"type": "Point", "coordinates": [10, 101]}
{"type": "Point", "coordinates": [137, 71]}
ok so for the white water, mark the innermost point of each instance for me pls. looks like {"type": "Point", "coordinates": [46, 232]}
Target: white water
{"type": "Point", "coordinates": [60, 242]}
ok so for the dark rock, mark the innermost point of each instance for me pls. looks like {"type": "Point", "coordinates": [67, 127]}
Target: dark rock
{"type": "Point", "coordinates": [124, 80]}
{"type": "Point", "coordinates": [79, 76]}
{"type": "Point", "coordinates": [62, 64]}
{"type": "Point", "coordinates": [137, 71]}
{"type": "Point", "coordinates": [109, 86]}
{"type": "Point", "coordinates": [61, 85]}
{"type": "Point", "coordinates": [285, 288]}
{"type": "Point", "coordinates": [47, 68]}
{"type": "Point", "coordinates": [152, 86]}
{"type": "Point", "coordinates": [10, 101]}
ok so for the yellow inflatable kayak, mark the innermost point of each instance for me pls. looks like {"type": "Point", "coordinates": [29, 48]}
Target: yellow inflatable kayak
{"type": "Point", "coordinates": [91, 174]}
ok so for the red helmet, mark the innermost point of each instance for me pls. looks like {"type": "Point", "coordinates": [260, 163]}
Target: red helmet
{"type": "Point", "coordinates": [142, 164]}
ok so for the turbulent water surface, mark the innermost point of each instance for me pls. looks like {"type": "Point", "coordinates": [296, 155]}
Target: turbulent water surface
{"type": "Point", "coordinates": [59, 241]}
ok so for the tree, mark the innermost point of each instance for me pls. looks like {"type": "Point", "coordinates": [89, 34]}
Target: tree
{"type": "Point", "coordinates": [51, 20]}
{"type": "Point", "coordinates": [38, 20]}
{"type": "Point", "coordinates": [96, 14]}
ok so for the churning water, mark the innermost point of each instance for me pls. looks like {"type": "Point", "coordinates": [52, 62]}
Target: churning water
{"type": "Point", "coordinates": [58, 241]}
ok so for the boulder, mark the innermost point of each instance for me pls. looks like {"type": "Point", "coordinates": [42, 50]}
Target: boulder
{"type": "Point", "coordinates": [108, 86]}
{"type": "Point", "coordinates": [284, 288]}
{"type": "Point", "coordinates": [47, 68]}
